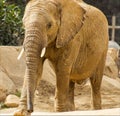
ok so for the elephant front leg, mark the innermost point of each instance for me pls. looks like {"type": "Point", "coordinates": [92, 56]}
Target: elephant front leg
{"type": "Point", "coordinates": [22, 109]}
{"type": "Point", "coordinates": [62, 90]}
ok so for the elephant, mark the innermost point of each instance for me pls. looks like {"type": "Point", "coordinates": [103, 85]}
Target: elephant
{"type": "Point", "coordinates": [73, 36]}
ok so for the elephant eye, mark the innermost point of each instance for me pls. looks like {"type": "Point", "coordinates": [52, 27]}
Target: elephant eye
{"type": "Point", "coordinates": [49, 25]}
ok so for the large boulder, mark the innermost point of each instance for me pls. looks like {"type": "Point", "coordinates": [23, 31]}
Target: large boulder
{"type": "Point", "coordinates": [3, 94]}
{"type": "Point", "coordinates": [12, 101]}
{"type": "Point", "coordinates": [6, 83]}
{"type": "Point", "coordinates": [111, 68]}
{"type": "Point", "coordinates": [10, 67]}
{"type": "Point", "coordinates": [112, 61]}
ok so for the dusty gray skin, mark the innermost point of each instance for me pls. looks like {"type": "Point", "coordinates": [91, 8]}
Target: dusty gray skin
{"type": "Point", "coordinates": [75, 36]}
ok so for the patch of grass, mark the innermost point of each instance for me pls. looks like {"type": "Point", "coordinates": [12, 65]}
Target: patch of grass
{"type": "Point", "coordinates": [2, 105]}
{"type": "Point", "coordinates": [18, 93]}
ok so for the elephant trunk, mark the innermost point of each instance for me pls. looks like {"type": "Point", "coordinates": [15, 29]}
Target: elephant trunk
{"type": "Point", "coordinates": [34, 42]}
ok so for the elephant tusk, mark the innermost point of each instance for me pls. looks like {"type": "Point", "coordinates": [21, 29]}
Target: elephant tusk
{"type": "Point", "coordinates": [43, 52]}
{"type": "Point", "coordinates": [20, 55]}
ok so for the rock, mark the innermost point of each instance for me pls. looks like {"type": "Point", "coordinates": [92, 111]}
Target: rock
{"type": "Point", "coordinates": [6, 83]}
{"type": "Point", "coordinates": [48, 72]}
{"type": "Point", "coordinates": [10, 67]}
{"type": "Point", "coordinates": [111, 69]}
{"type": "Point", "coordinates": [109, 82]}
{"type": "Point", "coordinates": [3, 94]}
{"type": "Point", "coordinates": [111, 66]}
{"type": "Point", "coordinates": [113, 44]}
{"type": "Point", "coordinates": [113, 53]}
{"type": "Point", "coordinates": [12, 101]}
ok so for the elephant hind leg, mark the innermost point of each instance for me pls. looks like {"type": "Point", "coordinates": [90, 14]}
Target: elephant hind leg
{"type": "Point", "coordinates": [96, 94]}
{"type": "Point", "coordinates": [96, 80]}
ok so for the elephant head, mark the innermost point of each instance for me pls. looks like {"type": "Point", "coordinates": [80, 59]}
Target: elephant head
{"type": "Point", "coordinates": [46, 21]}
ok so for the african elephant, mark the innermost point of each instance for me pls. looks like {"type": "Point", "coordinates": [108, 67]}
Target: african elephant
{"type": "Point", "coordinates": [74, 37]}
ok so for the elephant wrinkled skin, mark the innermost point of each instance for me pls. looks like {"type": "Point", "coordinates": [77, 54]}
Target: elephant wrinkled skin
{"type": "Point", "coordinates": [74, 36]}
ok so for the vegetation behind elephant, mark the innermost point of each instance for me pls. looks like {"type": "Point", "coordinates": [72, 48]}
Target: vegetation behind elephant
{"type": "Point", "coordinates": [74, 37]}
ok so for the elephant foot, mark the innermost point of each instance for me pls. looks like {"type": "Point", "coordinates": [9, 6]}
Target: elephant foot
{"type": "Point", "coordinates": [71, 107]}
{"type": "Point", "coordinates": [96, 107]}
{"type": "Point", "coordinates": [60, 107]}
{"type": "Point", "coordinates": [21, 112]}
{"type": "Point", "coordinates": [65, 108]}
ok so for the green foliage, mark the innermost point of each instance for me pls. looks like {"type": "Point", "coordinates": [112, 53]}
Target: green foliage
{"type": "Point", "coordinates": [2, 105]}
{"type": "Point", "coordinates": [11, 31]}
{"type": "Point", "coordinates": [18, 93]}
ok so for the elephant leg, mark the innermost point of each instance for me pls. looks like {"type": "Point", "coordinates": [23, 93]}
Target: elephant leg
{"type": "Point", "coordinates": [96, 95]}
{"type": "Point", "coordinates": [22, 109]}
{"type": "Point", "coordinates": [71, 104]}
{"type": "Point", "coordinates": [96, 80]}
{"type": "Point", "coordinates": [62, 90]}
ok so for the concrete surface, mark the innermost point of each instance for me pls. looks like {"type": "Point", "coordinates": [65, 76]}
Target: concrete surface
{"type": "Point", "coordinates": [107, 112]}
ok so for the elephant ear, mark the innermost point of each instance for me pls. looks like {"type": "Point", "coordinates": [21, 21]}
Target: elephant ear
{"type": "Point", "coordinates": [72, 17]}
